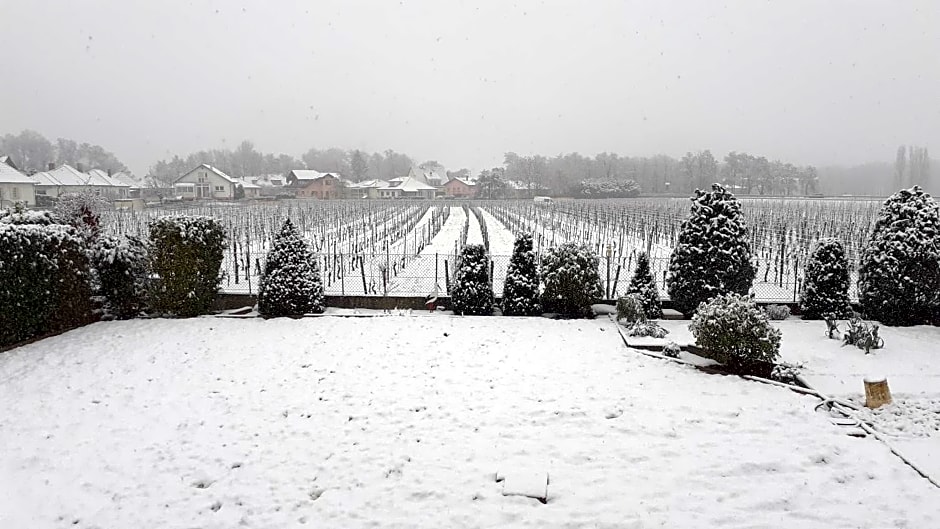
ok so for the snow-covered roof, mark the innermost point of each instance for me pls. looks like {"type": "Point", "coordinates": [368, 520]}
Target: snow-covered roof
{"type": "Point", "coordinates": [9, 175]}
{"type": "Point", "coordinates": [310, 174]}
{"type": "Point", "coordinates": [6, 160]}
{"type": "Point", "coordinates": [218, 172]}
{"type": "Point", "coordinates": [98, 177]}
{"type": "Point", "coordinates": [369, 184]}
{"type": "Point", "coordinates": [411, 185]}
{"type": "Point", "coordinates": [128, 179]}
{"type": "Point", "coordinates": [66, 175]}
{"type": "Point", "coordinates": [464, 181]}
{"type": "Point", "coordinates": [267, 180]}
{"type": "Point", "coordinates": [246, 183]}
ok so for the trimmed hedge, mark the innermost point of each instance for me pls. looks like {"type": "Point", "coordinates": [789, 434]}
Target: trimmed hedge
{"type": "Point", "coordinates": [473, 288]}
{"type": "Point", "coordinates": [45, 281]}
{"type": "Point", "coordinates": [122, 269]}
{"type": "Point", "coordinates": [571, 280]}
{"type": "Point", "coordinates": [186, 258]}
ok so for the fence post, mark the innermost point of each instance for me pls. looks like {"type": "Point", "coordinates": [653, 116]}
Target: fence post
{"type": "Point", "coordinates": [342, 276]}
{"type": "Point", "coordinates": [435, 272]}
{"type": "Point", "coordinates": [607, 290]}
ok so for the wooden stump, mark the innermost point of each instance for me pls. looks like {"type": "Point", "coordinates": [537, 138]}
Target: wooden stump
{"type": "Point", "coordinates": [877, 393]}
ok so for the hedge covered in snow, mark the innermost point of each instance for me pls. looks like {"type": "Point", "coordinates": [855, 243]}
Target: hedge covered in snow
{"type": "Point", "coordinates": [45, 281]}
{"type": "Point", "coordinates": [186, 256]}
{"type": "Point", "coordinates": [571, 279]}
{"type": "Point", "coordinates": [291, 283]}
{"type": "Point", "coordinates": [122, 269]}
{"type": "Point", "coordinates": [643, 286]}
{"type": "Point", "coordinates": [899, 273]}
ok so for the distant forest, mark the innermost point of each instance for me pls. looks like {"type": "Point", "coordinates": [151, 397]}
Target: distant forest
{"type": "Point", "coordinates": [561, 174]}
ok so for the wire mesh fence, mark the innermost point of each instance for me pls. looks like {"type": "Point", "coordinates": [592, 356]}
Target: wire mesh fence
{"type": "Point", "coordinates": [387, 274]}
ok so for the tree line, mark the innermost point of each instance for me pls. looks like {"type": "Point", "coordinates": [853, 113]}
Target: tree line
{"type": "Point", "coordinates": [32, 152]}
{"type": "Point", "coordinates": [570, 174]}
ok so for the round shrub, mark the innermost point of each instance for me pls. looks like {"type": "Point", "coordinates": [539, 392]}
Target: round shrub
{"type": "Point", "coordinates": [733, 327]}
{"type": "Point", "coordinates": [290, 283]}
{"type": "Point", "coordinates": [899, 273]}
{"type": "Point", "coordinates": [472, 293]}
{"type": "Point", "coordinates": [712, 255]}
{"type": "Point", "coordinates": [643, 286]}
{"type": "Point", "coordinates": [826, 282]}
{"type": "Point", "coordinates": [45, 281]}
{"type": "Point", "coordinates": [571, 280]}
{"type": "Point", "coordinates": [521, 288]}
{"type": "Point", "coordinates": [186, 258]}
{"type": "Point", "coordinates": [122, 269]}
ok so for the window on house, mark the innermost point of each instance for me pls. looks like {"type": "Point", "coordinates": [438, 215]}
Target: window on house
{"type": "Point", "coordinates": [16, 193]}
{"type": "Point", "coordinates": [220, 189]}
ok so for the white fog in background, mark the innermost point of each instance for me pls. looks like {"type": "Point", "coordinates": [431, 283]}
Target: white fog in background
{"type": "Point", "coordinates": [463, 82]}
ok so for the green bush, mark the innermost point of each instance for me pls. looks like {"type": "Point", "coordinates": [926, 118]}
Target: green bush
{"type": "Point", "coordinates": [186, 257]}
{"type": "Point", "coordinates": [643, 286]}
{"type": "Point", "coordinates": [572, 283]}
{"type": "Point", "coordinates": [291, 284]}
{"type": "Point", "coordinates": [826, 282]}
{"type": "Point", "coordinates": [899, 274]}
{"type": "Point", "coordinates": [712, 255]}
{"type": "Point", "coordinates": [733, 327]}
{"type": "Point", "coordinates": [472, 293]}
{"type": "Point", "coordinates": [630, 308]}
{"type": "Point", "coordinates": [122, 270]}
{"type": "Point", "coordinates": [45, 281]}
{"type": "Point", "coordinates": [521, 288]}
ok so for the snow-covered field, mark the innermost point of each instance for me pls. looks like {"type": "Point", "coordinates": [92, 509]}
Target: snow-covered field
{"type": "Point", "coordinates": [404, 421]}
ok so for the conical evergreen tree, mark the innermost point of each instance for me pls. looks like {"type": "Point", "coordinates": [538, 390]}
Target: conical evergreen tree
{"type": "Point", "coordinates": [712, 255]}
{"type": "Point", "coordinates": [290, 284]}
{"type": "Point", "coordinates": [521, 288]}
{"type": "Point", "coordinates": [643, 286]}
{"type": "Point", "coordinates": [826, 282]}
{"type": "Point", "coordinates": [473, 290]}
{"type": "Point", "coordinates": [899, 274]}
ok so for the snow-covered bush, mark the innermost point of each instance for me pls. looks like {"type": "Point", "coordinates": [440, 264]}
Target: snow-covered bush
{"type": "Point", "coordinates": [672, 350]}
{"type": "Point", "coordinates": [122, 269]}
{"type": "Point", "coordinates": [777, 312]}
{"type": "Point", "coordinates": [45, 281]}
{"type": "Point", "coordinates": [734, 327]}
{"type": "Point", "coordinates": [787, 373]}
{"type": "Point", "coordinates": [712, 255]}
{"type": "Point", "coordinates": [291, 283]}
{"type": "Point", "coordinates": [826, 282]}
{"type": "Point", "coordinates": [186, 257]}
{"type": "Point", "coordinates": [862, 334]}
{"type": "Point", "coordinates": [20, 215]}
{"type": "Point", "coordinates": [643, 286]}
{"type": "Point", "coordinates": [521, 288]}
{"type": "Point", "coordinates": [899, 274]}
{"type": "Point", "coordinates": [472, 293]}
{"type": "Point", "coordinates": [630, 308]}
{"type": "Point", "coordinates": [571, 280]}
{"type": "Point", "coordinates": [646, 328]}
{"type": "Point", "coordinates": [83, 211]}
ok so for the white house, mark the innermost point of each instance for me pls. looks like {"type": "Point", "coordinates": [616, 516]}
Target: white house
{"type": "Point", "coordinates": [15, 186]}
{"type": "Point", "coordinates": [409, 187]}
{"type": "Point", "coordinates": [205, 182]}
{"type": "Point", "coordinates": [252, 190]}
{"type": "Point", "coordinates": [66, 179]}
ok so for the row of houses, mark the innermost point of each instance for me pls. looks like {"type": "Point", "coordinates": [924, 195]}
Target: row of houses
{"type": "Point", "coordinates": [206, 182]}
{"type": "Point", "coordinates": [16, 186]}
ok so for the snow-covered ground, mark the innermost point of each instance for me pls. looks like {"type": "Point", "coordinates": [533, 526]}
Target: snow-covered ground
{"type": "Point", "coordinates": [217, 422]}
{"type": "Point", "coordinates": [474, 233]}
{"type": "Point", "coordinates": [501, 243]}
{"type": "Point", "coordinates": [419, 277]}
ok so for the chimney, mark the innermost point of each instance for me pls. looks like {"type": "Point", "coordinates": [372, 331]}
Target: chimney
{"type": "Point", "coordinates": [50, 166]}
{"type": "Point", "coordinates": [110, 172]}
{"type": "Point", "coordinates": [80, 166]}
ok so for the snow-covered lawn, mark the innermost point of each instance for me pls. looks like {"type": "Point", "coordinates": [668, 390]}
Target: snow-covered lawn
{"type": "Point", "coordinates": [404, 421]}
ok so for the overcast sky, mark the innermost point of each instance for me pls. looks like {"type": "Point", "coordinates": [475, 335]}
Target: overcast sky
{"type": "Point", "coordinates": [462, 82]}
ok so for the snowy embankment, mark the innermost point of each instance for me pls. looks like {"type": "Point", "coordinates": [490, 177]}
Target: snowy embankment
{"type": "Point", "coordinates": [218, 423]}
{"type": "Point", "coordinates": [418, 279]}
